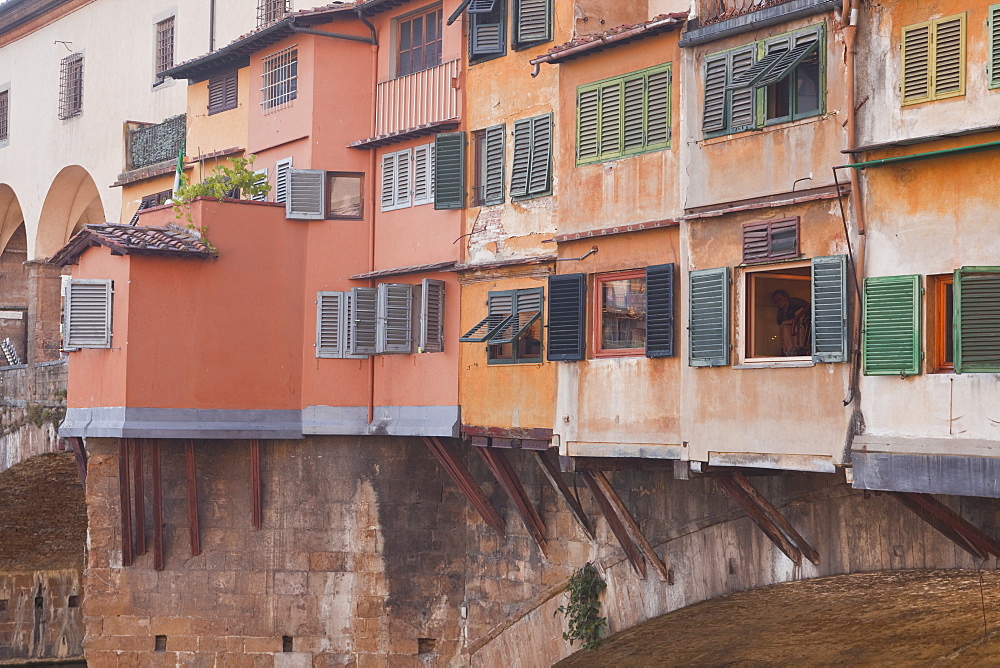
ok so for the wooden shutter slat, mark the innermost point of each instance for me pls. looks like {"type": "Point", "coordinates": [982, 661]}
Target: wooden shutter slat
{"type": "Point", "coordinates": [534, 21]}
{"type": "Point", "coordinates": [541, 155]}
{"type": "Point", "coordinates": [432, 316]}
{"type": "Point", "coordinates": [493, 187]}
{"type": "Point", "coordinates": [522, 158]}
{"type": "Point", "coordinates": [949, 57]}
{"type": "Point", "coordinates": [977, 319]}
{"type": "Point", "coordinates": [363, 319]}
{"type": "Point", "coordinates": [611, 119]}
{"type": "Point", "coordinates": [829, 309]}
{"type": "Point", "coordinates": [916, 58]}
{"type": "Point", "coordinates": [660, 310]}
{"type": "Point", "coordinates": [714, 112]}
{"type": "Point", "coordinates": [567, 315]}
{"type": "Point", "coordinates": [587, 124]}
{"type": "Point", "coordinates": [449, 170]}
{"type": "Point", "coordinates": [708, 325]}
{"type": "Point", "coordinates": [306, 194]}
{"type": "Point", "coordinates": [891, 326]}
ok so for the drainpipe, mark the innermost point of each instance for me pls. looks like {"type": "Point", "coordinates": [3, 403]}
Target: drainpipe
{"type": "Point", "coordinates": [370, 188]}
{"type": "Point", "coordinates": [211, 26]}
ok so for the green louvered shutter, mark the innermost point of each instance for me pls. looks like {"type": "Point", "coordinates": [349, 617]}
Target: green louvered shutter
{"type": "Point", "coordinates": [708, 317]}
{"type": "Point", "coordinates": [660, 309]}
{"type": "Point", "coordinates": [487, 33]}
{"type": "Point", "coordinates": [993, 58]}
{"type": "Point", "coordinates": [533, 24]}
{"type": "Point", "coordinates": [741, 100]}
{"type": "Point", "coordinates": [977, 319]}
{"type": "Point", "coordinates": [587, 122]}
{"type": "Point", "coordinates": [540, 178]}
{"type": "Point", "coordinates": [522, 158]}
{"type": "Point", "coordinates": [891, 326]}
{"type": "Point", "coordinates": [916, 65]}
{"type": "Point", "coordinates": [829, 309]}
{"type": "Point", "coordinates": [714, 113]}
{"type": "Point", "coordinates": [657, 110]}
{"type": "Point", "coordinates": [611, 120]}
{"type": "Point", "coordinates": [567, 315]}
{"type": "Point", "coordinates": [449, 170]}
{"type": "Point", "coordinates": [494, 176]}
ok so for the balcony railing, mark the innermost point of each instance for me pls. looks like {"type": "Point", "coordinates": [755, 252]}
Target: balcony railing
{"type": "Point", "coordinates": [720, 10]}
{"type": "Point", "coordinates": [418, 99]}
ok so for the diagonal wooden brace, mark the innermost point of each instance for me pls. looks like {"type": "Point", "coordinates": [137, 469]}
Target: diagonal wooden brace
{"type": "Point", "coordinates": [551, 471]}
{"type": "Point", "coordinates": [760, 518]}
{"type": "Point", "coordinates": [780, 520]}
{"type": "Point", "coordinates": [950, 524]}
{"type": "Point", "coordinates": [617, 528]}
{"type": "Point", "coordinates": [460, 474]}
{"type": "Point", "coordinates": [631, 526]}
{"type": "Point", "coordinates": [498, 464]}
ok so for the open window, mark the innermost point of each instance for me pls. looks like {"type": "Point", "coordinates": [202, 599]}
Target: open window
{"type": "Point", "coordinates": [778, 313]}
{"type": "Point", "coordinates": [512, 327]}
{"type": "Point", "coordinates": [941, 322]}
{"type": "Point", "coordinates": [620, 314]}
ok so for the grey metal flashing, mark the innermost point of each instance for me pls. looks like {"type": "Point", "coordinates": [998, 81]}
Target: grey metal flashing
{"type": "Point", "coordinates": [335, 420]}
{"type": "Point", "coordinates": [927, 474]}
{"type": "Point", "coordinates": [128, 422]}
{"type": "Point", "coordinates": [416, 421]}
{"type": "Point", "coordinates": [763, 18]}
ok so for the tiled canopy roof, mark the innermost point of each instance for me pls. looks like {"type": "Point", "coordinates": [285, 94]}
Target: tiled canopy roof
{"type": "Point", "coordinates": [168, 241]}
{"type": "Point", "coordinates": [587, 44]}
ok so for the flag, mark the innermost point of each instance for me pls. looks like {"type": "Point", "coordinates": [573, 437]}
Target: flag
{"type": "Point", "coordinates": [180, 169]}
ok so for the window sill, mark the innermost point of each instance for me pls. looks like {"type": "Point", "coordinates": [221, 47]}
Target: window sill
{"type": "Point", "coordinates": [722, 136]}
{"type": "Point", "coordinates": [791, 363]}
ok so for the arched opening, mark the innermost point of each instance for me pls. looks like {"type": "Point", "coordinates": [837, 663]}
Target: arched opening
{"type": "Point", "coordinates": [14, 298]}
{"type": "Point", "coordinates": [72, 202]}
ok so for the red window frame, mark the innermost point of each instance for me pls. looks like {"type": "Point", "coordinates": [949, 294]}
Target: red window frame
{"type": "Point", "coordinates": [598, 313]}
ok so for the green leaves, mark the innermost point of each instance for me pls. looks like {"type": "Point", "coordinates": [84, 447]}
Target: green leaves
{"type": "Point", "coordinates": [583, 611]}
{"type": "Point", "coordinates": [220, 182]}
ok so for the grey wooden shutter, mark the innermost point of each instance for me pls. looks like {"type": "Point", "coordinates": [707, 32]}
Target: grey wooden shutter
{"type": "Point", "coordinates": [394, 323]}
{"type": "Point", "coordinates": [660, 309]}
{"type": "Point", "coordinates": [404, 183]}
{"type": "Point", "coordinates": [567, 317]}
{"type": "Point", "coordinates": [522, 158]}
{"type": "Point", "coordinates": [708, 324]}
{"type": "Point", "coordinates": [540, 172]}
{"type": "Point", "coordinates": [88, 313]}
{"type": "Point", "coordinates": [829, 309]}
{"type": "Point", "coordinates": [587, 121]}
{"type": "Point", "coordinates": [388, 195]}
{"type": "Point", "coordinates": [423, 174]}
{"type": "Point", "coordinates": [741, 100]}
{"type": "Point", "coordinates": [714, 113]}
{"type": "Point", "coordinates": [449, 170]}
{"type": "Point", "coordinates": [281, 169]}
{"type": "Point", "coordinates": [494, 168]}
{"type": "Point", "coordinates": [890, 343]}
{"type": "Point", "coordinates": [330, 338]}
{"type": "Point", "coordinates": [481, 6]}
{"type": "Point", "coordinates": [362, 321]}
{"type": "Point", "coordinates": [534, 22]}
{"type": "Point", "coordinates": [977, 319]}
{"type": "Point", "coordinates": [306, 194]}
{"type": "Point", "coordinates": [431, 316]}
{"type": "Point", "coordinates": [487, 33]}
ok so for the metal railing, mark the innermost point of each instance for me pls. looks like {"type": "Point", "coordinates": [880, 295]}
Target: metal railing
{"type": "Point", "coordinates": [720, 10]}
{"type": "Point", "coordinates": [417, 99]}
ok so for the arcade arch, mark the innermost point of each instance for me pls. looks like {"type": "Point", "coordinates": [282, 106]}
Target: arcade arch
{"type": "Point", "coordinates": [71, 202]}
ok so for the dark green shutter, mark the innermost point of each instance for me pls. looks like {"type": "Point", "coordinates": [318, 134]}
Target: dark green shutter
{"type": "Point", "coordinates": [540, 175]}
{"type": "Point", "coordinates": [829, 309]}
{"type": "Point", "coordinates": [533, 24]}
{"type": "Point", "coordinates": [741, 100]}
{"type": "Point", "coordinates": [708, 324]}
{"type": "Point", "coordinates": [494, 176]}
{"type": "Point", "coordinates": [522, 158]}
{"type": "Point", "coordinates": [587, 120]}
{"type": "Point", "coordinates": [487, 32]}
{"type": "Point", "coordinates": [714, 112]}
{"type": "Point", "coordinates": [567, 315]}
{"type": "Point", "coordinates": [891, 329]}
{"type": "Point", "coordinates": [977, 319]}
{"type": "Point", "coordinates": [449, 170]}
{"type": "Point", "coordinates": [660, 309]}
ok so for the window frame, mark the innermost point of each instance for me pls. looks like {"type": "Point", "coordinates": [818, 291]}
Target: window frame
{"type": "Point", "coordinates": [397, 27]}
{"type": "Point", "coordinates": [270, 11]}
{"type": "Point", "coordinates": [4, 115]}
{"type": "Point", "coordinates": [747, 325]}
{"type": "Point", "coordinates": [71, 86]}
{"type": "Point", "coordinates": [397, 201]}
{"type": "Point", "coordinates": [164, 47]}
{"type": "Point", "coordinates": [941, 320]}
{"type": "Point", "coordinates": [515, 358]}
{"type": "Point", "coordinates": [793, 40]}
{"type": "Point", "coordinates": [284, 58]}
{"type": "Point", "coordinates": [597, 313]}
{"type": "Point", "coordinates": [329, 190]}
{"type": "Point", "coordinates": [107, 290]}
{"type": "Point", "coordinates": [932, 26]}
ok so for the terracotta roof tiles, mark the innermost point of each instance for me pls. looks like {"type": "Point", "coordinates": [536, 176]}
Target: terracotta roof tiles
{"type": "Point", "coordinates": [169, 240]}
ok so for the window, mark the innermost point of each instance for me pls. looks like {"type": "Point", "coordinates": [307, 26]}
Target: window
{"type": "Point", "coordinates": [770, 240]}
{"type": "Point", "coordinates": [222, 93]}
{"type": "Point", "coordinates": [487, 30]}
{"type": "Point", "coordinates": [511, 328]}
{"type": "Point", "coordinates": [306, 197]}
{"type": "Point", "coordinates": [280, 85]}
{"type": "Point", "coordinates": [489, 168]}
{"type": "Point", "coordinates": [772, 81]}
{"type": "Point", "coordinates": [532, 22]}
{"type": "Point", "coordinates": [87, 314]}
{"type": "Point", "coordinates": [941, 321]}
{"type": "Point", "coordinates": [620, 314]}
{"type": "Point", "coordinates": [156, 199]}
{"type": "Point", "coordinates": [71, 86]}
{"type": "Point", "coordinates": [531, 171]}
{"type": "Point", "coordinates": [933, 60]}
{"type": "Point", "coordinates": [4, 116]}
{"type": "Point", "coordinates": [269, 11]}
{"type": "Point", "coordinates": [778, 313]}
{"type": "Point", "coordinates": [418, 42]}
{"type": "Point", "coordinates": [624, 115]}
{"type": "Point", "coordinates": [344, 195]}
{"type": "Point", "coordinates": [408, 177]}
{"type": "Point", "coordinates": [164, 47]}
{"type": "Point", "coordinates": [993, 63]}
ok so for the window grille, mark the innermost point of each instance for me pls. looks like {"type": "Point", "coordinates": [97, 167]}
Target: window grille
{"type": "Point", "coordinates": [4, 115]}
{"type": "Point", "coordinates": [280, 85]}
{"type": "Point", "coordinates": [164, 47]}
{"type": "Point", "coordinates": [269, 11]}
{"type": "Point", "coordinates": [71, 86]}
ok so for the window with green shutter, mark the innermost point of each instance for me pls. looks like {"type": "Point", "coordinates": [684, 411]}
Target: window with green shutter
{"type": "Point", "coordinates": [532, 22]}
{"type": "Point", "coordinates": [993, 57]}
{"type": "Point", "coordinates": [489, 168]}
{"type": "Point", "coordinates": [829, 309]}
{"type": "Point", "coordinates": [623, 116]}
{"type": "Point", "coordinates": [891, 326]}
{"type": "Point", "coordinates": [933, 59]}
{"type": "Point", "coordinates": [977, 319]}
{"type": "Point", "coordinates": [488, 32]}
{"type": "Point", "coordinates": [449, 170]}
{"type": "Point", "coordinates": [708, 317]}
{"type": "Point", "coordinates": [531, 168]}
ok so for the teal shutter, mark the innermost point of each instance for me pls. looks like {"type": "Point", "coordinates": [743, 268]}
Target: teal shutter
{"type": "Point", "coordinates": [891, 326]}
{"type": "Point", "coordinates": [977, 319]}
{"type": "Point", "coordinates": [567, 315]}
{"type": "Point", "coordinates": [494, 176]}
{"type": "Point", "coordinates": [541, 155]}
{"type": "Point", "coordinates": [522, 158]}
{"type": "Point", "coordinates": [533, 24]}
{"type": "Point", "coordinates": [714, 112]}
{"type": "Point", "coordinates": [487, 32]}
{"type": "Point", "coordinates": [993, 59]}
{"type": "Point", "coordinates": [708, 317]}
{"type": "Point", "coordinates": [660, 309]}
{"type": "Point", "coordinates": [741, 100]}
{"type": "Point", "coordinates": [657, 110]}
{"type": "Point", "coordinates": [449, 170]}
{"type": "Point", "coordinates": [829, 309]}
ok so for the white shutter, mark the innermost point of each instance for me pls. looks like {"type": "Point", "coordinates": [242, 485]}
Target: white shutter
{"type": "Point", "coordinates": [388, 196]}
{"type": "Point", "coordinates": [404, 182]}
{"type": "Point", "coordinates": [362, 321]}
{"type": "Point", "coordinates": [330, 338]}
{"type": "Point", "coordinates": [432, 316]}
{"type": "Point", "coordinates": [423, 174]}
{"type": "Point", "coordinates": [395, 323]}
{"type": "Point", "coordinates": [261, 178]}
{"type": "Point", "coordinates": [88, 313]}
{"type": "Point", "coordinates": [306, 194]}
{"type": "Point", "coordinates": [281, 169]}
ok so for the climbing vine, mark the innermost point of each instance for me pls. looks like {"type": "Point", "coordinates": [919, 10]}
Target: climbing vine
{"type": "Point", "coordinates": [583, 612]}
{"type": "Point", "coordinates": [220, 183]}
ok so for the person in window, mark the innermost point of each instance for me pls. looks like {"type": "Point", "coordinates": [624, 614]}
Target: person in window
{"type": "Point", "coordinates": [793, 323]}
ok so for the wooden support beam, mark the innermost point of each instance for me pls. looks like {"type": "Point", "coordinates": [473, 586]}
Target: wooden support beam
{"type": "Point", "coordinates": [952, 525]}
{"type": "Point", "coordinates": [256, 507]}
{"type": "Point", "coordinates": [157, 502]}
{"type": "Point", "coordinates": [125, 500]}
{"type": "Point", "coordinates": [80, 453]}
{"type": "Point", "coordinates": [460, 474]}
{"type": "Point", "coordinates": [760, 518]}
{"type": "Point", "coordinates": [780, 520]}
{"type": "Point", "coordinates": [617, 528]}
{"type": "Point", "coordinates": [192, 494]}
{"type": "Point", "coordinates": [498, 464]}
{"type": "Point", "coordinates": [631, 525]}
{"type": "Point", "coordinates": [139, 498]}
{"type": "Point", "coordinates": [551, 471]}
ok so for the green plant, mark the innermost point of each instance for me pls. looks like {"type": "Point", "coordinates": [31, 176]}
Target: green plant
{"type": "Point", "coordinates": [583, 610]}
{"type": "Point", "coordinates": [221, 181]}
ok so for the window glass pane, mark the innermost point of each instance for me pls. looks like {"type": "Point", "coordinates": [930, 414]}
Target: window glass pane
{"type": "Point", "coordinates": [623, 314]}
{"type": "Point", "coordinates": [529, 344]}
{"type": "Point", "coordinates": [343, 196]}
{"type": "Point", "coordinates": [779, 313]}
{"type": "Point", "coordinates": [807, 83]}
{"type": "Point", "coordinates": [779, 99]}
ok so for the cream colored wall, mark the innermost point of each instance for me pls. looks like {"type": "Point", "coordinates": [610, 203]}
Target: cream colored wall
{"type": "Point", "coordinates": [117, 40]}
